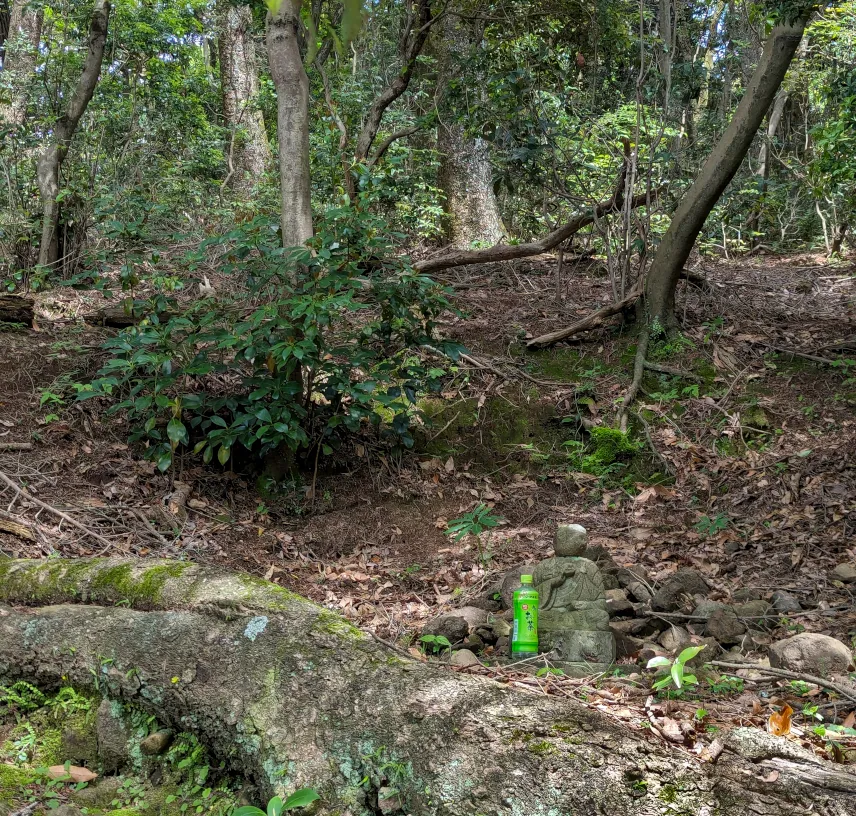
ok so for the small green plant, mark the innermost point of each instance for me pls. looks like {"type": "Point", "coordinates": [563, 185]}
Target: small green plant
{"type": "Point", "coordinates": [546, 671]}
{"type": "Point", "coordinates": [708, 526]}
{"type": "Point", "coordinates": [67, 701]}
{"type": "Point", "coordinates": [299, 799]}
{"type": "Point", "coordinates": [21, 697]}
{"type": "Point", "coordinates": [800, 687]}
{"type": "Point", "coordinates": [434, 644]}
{"type": "Point", "coordinates": [701, 714]}
{"type": "Point", "coordinates": [676, 669]}
{"type": "Point", "coordinates": [725, 685]}
{"type": "Point", "coordinates": [479, 519]}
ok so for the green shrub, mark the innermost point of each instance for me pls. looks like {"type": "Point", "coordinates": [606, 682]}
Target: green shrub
{"type": "Point", "coordinates": [314, 341]}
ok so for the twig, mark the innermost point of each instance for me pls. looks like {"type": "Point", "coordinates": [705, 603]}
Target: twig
{"type": "Point", "coordinates": [443, 429]}
{"type": "Point", "coordinates": [392, 646]}
{"type": "Point", "coordinates": [789, 675]}
{"type": "Point", "coordinates": [9, 524]}
{"type": "Point", "coordinates": [16, 446]}
{"type": "Point", "coordinates": [64, 516]}
{"type": "Point", "coordinates": [647, 431]}
{"type": "Point", "coordinates": [675, 372]}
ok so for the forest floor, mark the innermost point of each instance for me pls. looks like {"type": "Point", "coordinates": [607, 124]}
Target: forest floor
{"type": "Point", "coordinates": [746, 470]}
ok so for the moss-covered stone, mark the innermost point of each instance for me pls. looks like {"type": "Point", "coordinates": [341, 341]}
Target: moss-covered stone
{"type": "Point", "coordinates": [14, 782]}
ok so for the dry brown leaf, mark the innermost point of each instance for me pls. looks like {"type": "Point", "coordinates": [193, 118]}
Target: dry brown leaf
{"type": "Point", "coordinates": [779, 723]}
{"type": "Point", "coordinates": [850, 720]}
{"type": "Point", "coordinates": [74, 773]}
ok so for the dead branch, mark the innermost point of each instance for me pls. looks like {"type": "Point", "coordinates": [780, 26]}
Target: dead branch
{"type": "Point", "coordinates": [674, 372]}
{"type": "Point", "coordinates": [16, 446]}
{"type": "Point", "coordinates": [503, 252]}
{"type": "Point", "coordinates": [9, 524]}
{"type": "Point", "coordinates": [592, 321]}
{"type": "Point", "coordinates": [64, 516]}
{"type": "Point", "coordinates": [850, 694]}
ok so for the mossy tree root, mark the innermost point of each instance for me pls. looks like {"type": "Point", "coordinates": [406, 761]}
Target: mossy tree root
{"type": "Point", "coordinates": [292, 695]}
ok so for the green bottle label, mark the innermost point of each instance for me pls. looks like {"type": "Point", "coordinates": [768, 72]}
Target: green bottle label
{"type": "Point", "coordinates": [524, 638]}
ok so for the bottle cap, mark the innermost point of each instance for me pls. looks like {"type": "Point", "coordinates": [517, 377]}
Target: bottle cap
{"type": "Point", "coordinates": [525, 579]}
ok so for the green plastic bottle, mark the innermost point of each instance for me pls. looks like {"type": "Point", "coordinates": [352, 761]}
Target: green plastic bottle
{"type": "Point", "coordinates": [524, 637]}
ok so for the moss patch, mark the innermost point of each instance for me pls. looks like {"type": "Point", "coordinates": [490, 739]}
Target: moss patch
{"type": "Point", "coordinates": [14, 782]}
{"type": "Point", "coordinates": [140, 590]}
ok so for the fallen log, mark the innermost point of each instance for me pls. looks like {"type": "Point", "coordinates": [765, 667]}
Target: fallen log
{"type": "Point", "coordinates": [16, 310]}
{"type": "Point", "coordinates": [509, 252]}
{"type": "Point", "coordinates": [293, 695]}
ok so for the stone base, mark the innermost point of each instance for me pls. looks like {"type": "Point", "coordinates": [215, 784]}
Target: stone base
{"type": "Point", "coordinates": [581, 646]}
{"type": "Point", "coordinates": [582, 669]}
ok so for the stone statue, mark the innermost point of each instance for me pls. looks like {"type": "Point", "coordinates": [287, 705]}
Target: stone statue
{"type": "Point", "coordinates": [572, 619]}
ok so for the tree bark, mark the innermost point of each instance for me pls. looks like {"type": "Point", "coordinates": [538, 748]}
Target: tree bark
{"type": "Point", "coordinates": [15, 309]}
{"type": "Point", "coordinates": [292, 101]}
{"type": "Point", "coordinates": [50, 162]}
{"type": "Point", "coordinates": [718, 170]}
{"type": "Point", "coordinates": [465, 173]}
{"type": "Point", "coordinates": [763, 169]}
{"type": "Point", "coordinates": [20, 58]}
{"type": "Point", "coordinates": [292, 695]}
{"type": "Point", "coordinates": [249, 151]}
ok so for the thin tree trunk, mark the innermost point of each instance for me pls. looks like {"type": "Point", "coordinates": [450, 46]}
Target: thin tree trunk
{"type": "Point", "coordinates": [249, 151]}
{"type": "Point", "coordinates": [763, 169]}
{"type": "Point", "coordinates": [718, 170]}
{"type": "Point", "coordinates": [20, 58]}
{"type": "Point", "coordinates": [50, 162]}
{"type": "Point", "coordinates": [293, 695]}
{"type": "Point", "coordinates": [708, 62]}
{"type": "Point", "coordinates": [292, 102]}
{"type": "Point", "coordinates": [465, 173]}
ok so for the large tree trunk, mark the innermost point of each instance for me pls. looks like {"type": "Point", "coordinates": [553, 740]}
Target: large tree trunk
{"type": "Point", "coordinates": [20, 58]}
{"type": "Point", "coordinates": [50, 162]}
{"type": "Point", "coordinates": [292, 102]}
{"type": "Point", "coordinates": [292, 695]}
{"type": "Point", "coordinates": [718, 170]}
{"type": "Point", "coordinates": [249, 151]}
{"type": "Point", "coordinates": [465, 173]}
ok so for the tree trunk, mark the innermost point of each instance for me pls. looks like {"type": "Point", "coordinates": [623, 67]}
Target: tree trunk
{"type": "Point", "coordinates": [249, 152]}
{"type": "Point", "coordinates": [763, 169]}
{"type": "Point", "coordinates": [465, 173]}
{"type": "Point", "coordinates": [16, 310]}
{"type": "Point", "coordinates": [292, 102]}
{"type": "Point", "coordinates": [20, 58]}
{"type": "Point", "coordinates": [708, 62]}
{"type": "Point", "coordinates": [50, 162]}
{"type": "Point", "coordinates": [292, 695]}
{"type": "Point", "coordinates": [718, 170]}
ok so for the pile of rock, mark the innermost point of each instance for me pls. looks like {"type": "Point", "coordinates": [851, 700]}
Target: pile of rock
{"type": "Point", "coordinates": [645, 619]}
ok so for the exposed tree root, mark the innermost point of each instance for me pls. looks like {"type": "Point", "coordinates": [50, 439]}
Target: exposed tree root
{"type": "Point", "coordinates": [636, 382]}
{"type": "Point", "coordinates": [291, 694]}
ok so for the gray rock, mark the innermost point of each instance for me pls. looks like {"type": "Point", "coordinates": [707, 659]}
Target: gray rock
{"type": "Point", "coordinates": [642, 627]}
{"type": "Point", "coordinates": [617, 604]}
{"type": "Point", "coordinates": [706, 608]}
{"type": "Point", "coordinates": [512, 582]}
{"type": "Point", "coordinates": [472, 615]}
{"type": "Point", "coordinates": [609, 580]}
{"type": "Point", "coordinates": [747, 594]}
{"type": "Point", "coordinates": [711, 651]}
{"type": "Point", "coordinates": [601, 556]}
{"type": "Point", "coordinates": [674, 639]}
{"type": "Point", "coordinates": [465, 658]}
{"type": "Point", "coordinates": [725, 626]}
{"type": "Point", "coordinates": [570, 540]}
{"type": "Point", "coordinates": [113, 734]}
{"type": "Point", "coordinates": [755, 613]}
{"type": "Point", "coordinates": [501, 646]}
{"type": "Point", "coordinates": [783, 602]}
{"type": "Point", "coordinates": [500, 627]}
{"type": "Point", "coordinates": [474, 643]}
{"type": "Point", "coordinates": [389, 801]}
{"type": "Point", "coordinates": [649, 651]}
{"type": "Point", "coordinates": [80, 743]}
{"type": "Point", "coordinates": [486, 633]}
{"type": "Point", "coordinates": [673, 594]}
{"type": "Point", "coordinates": [627, 645]}
{"type": "Point", "coordinates": [810, 653]}
{"type": "Point", "coordinates": [451, 627]}
{"type": "Point", "coordinates": [635, 582]}
{"type": "Point", "coordinates": [157, 743]}
{"type": "Point", "coordinates": [66, 810]}
{"type": "Point", "coordinates": [98, 794]}
{"type": "Point", "coordinates": [846, 573]}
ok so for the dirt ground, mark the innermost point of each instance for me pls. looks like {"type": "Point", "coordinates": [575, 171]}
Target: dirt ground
{"type": "Point", "coordinates": [747, 472]}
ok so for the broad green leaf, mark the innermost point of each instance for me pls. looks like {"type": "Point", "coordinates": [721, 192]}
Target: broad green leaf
{"type": "Point", "coordinates": [688, 654]}
{"type": "Point", "coordinates": [223, 454]}
{"type": "Point", "coordinates": [658, 661]}
{"type": "Point", "coordinates": [274, 807]}
{"type": "Point", "coordinates": [301, 798]}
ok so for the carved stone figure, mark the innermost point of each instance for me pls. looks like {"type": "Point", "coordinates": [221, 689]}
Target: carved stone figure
{"type": "Point", "coordinates": [573, 621]}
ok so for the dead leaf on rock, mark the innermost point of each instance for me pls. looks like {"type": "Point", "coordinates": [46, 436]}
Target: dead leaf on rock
{"type": "Point", "coordinates": [74, 773]}
{"type": "Point", "coordinates": [779, 723]}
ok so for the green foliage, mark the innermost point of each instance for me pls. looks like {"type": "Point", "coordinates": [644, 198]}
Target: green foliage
{"type": "Point", "coordinates": [299, 799]}
{"type": "Point", "coordinates": [608, 453]}
{"type": "Point", "coordinates": [676, 669]}
{"type": "Point", "coordinates": [479, 519]}
{"type": "Point", "coordinates": [20, 697]}
{"type": "Point", "coordinates": [324, 347]}
{"type": "Point", "coordinates": [709, 526]}
{"type": "Point", "coordinates": [725, 684]}
{"type": "Point", "coordinates": [435, 643]}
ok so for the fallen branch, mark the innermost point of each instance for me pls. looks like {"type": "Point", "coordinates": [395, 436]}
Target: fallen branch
{"type": "Point", "coordinates": [64, 516]}
{"type": "Point", "coordinates": [813, 357]}
{"type": "Point", "coordinates": [789, 675]}
{"type": "Point", "coordinates": [674, 372]}
{"type": "Point", "coordinates": [16, 446]}
{"type": "Point", "coordinates": [592, 321]}
{"type": "Point", "coordinates": [9, 524]}
{"type": "Point", "coordinates": [509, 252]}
